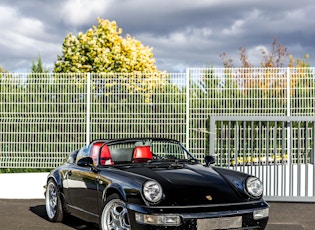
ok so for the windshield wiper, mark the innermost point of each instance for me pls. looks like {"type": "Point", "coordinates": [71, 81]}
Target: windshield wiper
{"type": "Point", "coordinates": [191, 160]}
{"type": "Point", "coordinates": [170, 164]}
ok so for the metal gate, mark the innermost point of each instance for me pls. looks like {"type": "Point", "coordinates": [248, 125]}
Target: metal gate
{"type": "Point", "coordinates": [277, 149]}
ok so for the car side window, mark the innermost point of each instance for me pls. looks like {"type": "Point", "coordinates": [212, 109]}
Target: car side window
{"type": "Point", "coordinates": [72, 157]}
{"type": "Point", "coordinates": [83, 152]}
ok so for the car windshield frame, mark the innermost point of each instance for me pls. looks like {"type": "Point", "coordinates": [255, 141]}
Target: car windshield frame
{"type": "Point", "coordinates": [162, 149]}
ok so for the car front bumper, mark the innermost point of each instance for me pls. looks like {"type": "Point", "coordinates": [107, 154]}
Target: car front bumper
{"type": "Point", "coordinates": [253, 215]}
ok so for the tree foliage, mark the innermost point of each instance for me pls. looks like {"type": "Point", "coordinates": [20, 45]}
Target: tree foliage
{"type": "Point", "coordinates": [38, 66]}
{"type": "Point", "coordinates": [2, 70]}
{"type": "Point", "coordinates": [278, 56]}
{"type": "Point", "coordinates": [103, 49]}
{"type": "Point", "coordinates": [272, 81]}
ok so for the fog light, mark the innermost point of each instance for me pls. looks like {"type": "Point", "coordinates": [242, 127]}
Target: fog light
{"type": "Point", "coordinates": [261, 213]}
{"type": "Point", "coordinates": [163, 220]}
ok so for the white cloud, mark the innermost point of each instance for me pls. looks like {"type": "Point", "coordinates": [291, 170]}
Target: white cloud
{"type": "Point", "coordinates": [181, 32]}
{"type": "Point", "coordinates": [18, 31]}
{"type": "Point", "coordinates": [255, 54]}
{"type": "Point", "coordinates": [23, 39]}
{"type": "Point", "coordinates": [235, 28]}
{"type": "Point", "coordinates": [78, 12]}
{"type": "Point", "coordinates": [190, 36]}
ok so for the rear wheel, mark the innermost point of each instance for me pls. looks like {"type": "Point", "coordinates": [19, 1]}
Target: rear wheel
{"type": "Point", "coordinates": [53, 202]}
{"type": "Point", "coordinates": [115, 214]}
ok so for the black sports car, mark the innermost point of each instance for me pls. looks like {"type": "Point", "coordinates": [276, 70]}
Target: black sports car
{"type": "Point", "coordinates": [152, 183]}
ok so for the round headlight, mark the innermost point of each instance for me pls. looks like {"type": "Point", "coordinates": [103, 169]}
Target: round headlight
{"type": "Point", "coordinates": [254, 186]}
{"type": "Point", "coordinates": [152, 191]}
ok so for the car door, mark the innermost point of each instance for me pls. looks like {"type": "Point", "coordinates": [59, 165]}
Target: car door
{"type": "Point", "coordinates": [82, 189]}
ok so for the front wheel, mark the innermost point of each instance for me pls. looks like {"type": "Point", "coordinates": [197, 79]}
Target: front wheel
{"type": "Point", "coordinates": [115, 214]}
{"type": "Point", "coordinates": [53, 202]}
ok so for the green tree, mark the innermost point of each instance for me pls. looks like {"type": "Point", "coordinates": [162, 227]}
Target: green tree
{"type": "Point", "coordinates": [38, 67]}
{"type": "Point", "coordinates": [103, 49]}
{"type": "Point", "coordinates": [2, 70]}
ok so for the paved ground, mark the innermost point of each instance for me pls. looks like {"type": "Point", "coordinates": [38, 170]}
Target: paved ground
{"type": "Point", "coordinates": [31, 215]}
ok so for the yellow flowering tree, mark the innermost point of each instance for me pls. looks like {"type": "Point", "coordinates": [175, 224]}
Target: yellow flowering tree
{"type": "Point", "coordinates": [127, 65]}
{"type": "Point", "coordinates": [3, 70]}
{"type": "Point", "coordinates": [103, 49]}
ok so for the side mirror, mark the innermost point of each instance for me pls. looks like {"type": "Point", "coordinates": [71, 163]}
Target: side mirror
{"type": "Point", "coordinates": [209, 160]}
{"type": "Point", "coordinates": [85, 161]}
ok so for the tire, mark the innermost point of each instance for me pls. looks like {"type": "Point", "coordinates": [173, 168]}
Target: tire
{"type": "Point", "coordinates": [54, 208]}
{"type": "Point", "coordinates": [114, 214]}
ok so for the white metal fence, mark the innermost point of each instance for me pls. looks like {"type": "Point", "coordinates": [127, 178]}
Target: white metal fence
{"type": "Point", "coordinates": [45, 116]}
{"type": "Point", "coordinates": [277, 149]}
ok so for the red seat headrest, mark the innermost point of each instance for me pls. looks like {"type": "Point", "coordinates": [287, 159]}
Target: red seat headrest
{"type": "Point", "coordinates": [142, 154]}
{"type": "Point", "coordinates": [95, 152]}
{"type": "Point", "coordinates": [105, 157]}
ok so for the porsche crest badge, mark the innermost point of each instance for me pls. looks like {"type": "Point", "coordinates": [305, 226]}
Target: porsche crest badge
{"type": "Point", "coordinates": [209, 197]}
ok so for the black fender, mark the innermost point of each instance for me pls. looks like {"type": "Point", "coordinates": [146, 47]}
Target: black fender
{"type": "Point", "coordinates": [125, 194]}
{"type": "Point", "coordinates": [55, 175]}
{"type": "Point", "coordinates": [57, 178]}
{"type": "Point", "coordinates": [114, 188]}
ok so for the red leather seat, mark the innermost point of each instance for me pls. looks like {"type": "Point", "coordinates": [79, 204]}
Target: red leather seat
{"type": "Point", "coordinates": [95, 152]}
{"type": "Point", "coordinates": [105, 157]}
{"type": "Point", "coordinates": [142, 154]}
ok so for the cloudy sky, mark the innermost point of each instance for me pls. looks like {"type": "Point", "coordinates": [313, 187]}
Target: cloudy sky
{"type": "Point", "coordinates": [182, 33]}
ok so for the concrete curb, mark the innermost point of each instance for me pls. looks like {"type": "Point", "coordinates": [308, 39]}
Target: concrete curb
{"type": "Point", "coordinates": [22, 185]}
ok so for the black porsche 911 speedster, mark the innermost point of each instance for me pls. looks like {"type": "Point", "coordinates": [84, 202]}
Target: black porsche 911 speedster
{"type": "Point", "coordinates": [152, 183]}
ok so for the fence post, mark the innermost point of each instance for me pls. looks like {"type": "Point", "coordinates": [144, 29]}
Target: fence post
{"type": "Point", "coordinates": [289, 132]}
{"type": "Point", "coordinates": [313, 157]}
{"type": "Point", "coordinates": [212, 135]}
{"type": "Point", "coordinates": [187, 108]}
{"type": "Point", "coordinates": [88, 107]}
{"type": "Point", "coordinates": [288, 115]}
{"type": "Point", "coordinates": [288, 92]}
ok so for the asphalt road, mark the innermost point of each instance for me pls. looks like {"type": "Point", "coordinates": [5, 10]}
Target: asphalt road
{"type": "Point", "coordinates": [31, 215]}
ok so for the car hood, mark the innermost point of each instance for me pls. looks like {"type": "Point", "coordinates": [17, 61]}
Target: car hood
{"type": "Point", "coordinates": [195, 184]}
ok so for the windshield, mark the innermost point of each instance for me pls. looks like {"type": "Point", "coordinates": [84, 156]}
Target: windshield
{"type": "Point", "coordinates": [169, 150]}
{"type": "Point", "coordinates": [145, 150]}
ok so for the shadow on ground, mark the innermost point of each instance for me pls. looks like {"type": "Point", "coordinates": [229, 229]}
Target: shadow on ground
{"type": "Point", "coordinates": [70, 221]}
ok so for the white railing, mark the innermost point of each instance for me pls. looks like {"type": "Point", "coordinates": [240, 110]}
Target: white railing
{"type": "Point", "coordinates": [260, 146]}
{"type": "Point", "coordinates": [43, 117]}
